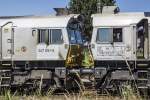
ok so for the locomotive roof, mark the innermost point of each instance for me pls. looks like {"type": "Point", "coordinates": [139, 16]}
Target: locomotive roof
{"type": "Point", "coordinates": [119, 19]}
{"type": "Point", "coordinates": [37, 21]}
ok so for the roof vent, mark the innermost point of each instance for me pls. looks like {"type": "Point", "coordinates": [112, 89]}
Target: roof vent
{"type": "Point", "coordinates": [110, 9]}
{"type": "Point", "coordinates": [61, 11]}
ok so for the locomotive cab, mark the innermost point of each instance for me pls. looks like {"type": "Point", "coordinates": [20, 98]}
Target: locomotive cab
{"type": "Point", "coordinates": [120, 47]}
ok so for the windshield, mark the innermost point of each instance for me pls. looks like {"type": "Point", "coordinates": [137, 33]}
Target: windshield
{"type": "Point", "coordinates": [74, 34]}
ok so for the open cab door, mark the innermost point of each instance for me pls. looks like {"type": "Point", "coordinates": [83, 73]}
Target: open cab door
{"type": "Point", "coordinates": [142, 39]}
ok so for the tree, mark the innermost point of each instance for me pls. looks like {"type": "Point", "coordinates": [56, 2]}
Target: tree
{"type": "Point", "coordinates": [107, 2]}
{"type": "Point", "coordinates": [87, 8]}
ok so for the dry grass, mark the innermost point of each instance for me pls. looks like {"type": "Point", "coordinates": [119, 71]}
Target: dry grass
{"type": "Point", "coordinates": [127, 94]}
{"type": "Point", "coordinates": [77, 97]}
{"type": "Point", "coordinates": [61, 98]}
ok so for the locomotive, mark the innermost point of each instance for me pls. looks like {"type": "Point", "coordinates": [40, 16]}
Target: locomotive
{"type": "Point", "coordinates": [48, 51]}
{"type": "Point", "coordinates": [38, 50]}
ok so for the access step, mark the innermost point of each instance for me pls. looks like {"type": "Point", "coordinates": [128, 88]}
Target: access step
{"type": "Point", "coordinates": [5, 81]}
{"type": "Point", "coordinates": [142, 65]}
{"type": "Point", "coordinates": [142, 87]}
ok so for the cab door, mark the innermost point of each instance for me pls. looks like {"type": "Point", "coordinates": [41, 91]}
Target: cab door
{"type": "Point", "coordinates": [142, 39]}
{"type": "Point", "coordinates": [7, 42]}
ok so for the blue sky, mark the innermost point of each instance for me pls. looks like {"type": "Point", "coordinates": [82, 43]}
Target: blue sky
{"type": "Point", "coordinates": [44, 7]}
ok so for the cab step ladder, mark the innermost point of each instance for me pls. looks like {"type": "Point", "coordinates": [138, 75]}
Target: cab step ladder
{"type": "Point", "coordinates": [142, 79]}
{"type": "Point", "coordinates": [5, 78]}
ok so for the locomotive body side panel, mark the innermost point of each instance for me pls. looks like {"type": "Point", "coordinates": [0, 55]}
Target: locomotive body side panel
{"type": "Point", "coordinates": [24, 44]}
{"type": "Point", "coordinates": [113, 50]}
{"type": "Point", "coordinates": [129, 43]}
{"type": "Point", "coordinates": [114, 36]}
{"type": "Point", "coordinates": [25, 38]}
{"type": "Point", "coordinates": [28, 48]}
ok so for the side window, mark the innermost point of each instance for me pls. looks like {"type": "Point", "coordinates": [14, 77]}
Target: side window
{"type": "Point", "coordinates": [117, 35]}
{"type": "Point", "coordinates": [42, 36]}
{"type": "Point", "coordinates": [104, 35]}
{"type": "Point", "coordinates": [109, 35]}
{"type": "Point", "coordinates": [50, 36]}
{"type": "Point", "coordinates": [56, 36]}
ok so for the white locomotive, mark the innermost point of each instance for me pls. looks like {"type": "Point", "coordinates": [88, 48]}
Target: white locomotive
{"type": "Point", "coordinates": [32, 47]}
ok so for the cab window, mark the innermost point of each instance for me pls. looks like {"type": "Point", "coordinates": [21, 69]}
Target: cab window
{"type": "Point", "coordinates": [56, 36]}
{"type": "Point", "coordinates": [42, 35]}
{"type": "Point", "coordinates": [104, 35]}
{"type": "Point", "coordinates": [109, 35]}
{"type": "Point", "coordinates": [117, 35]}
{"type": "Point", "coordinates": [50, 36]}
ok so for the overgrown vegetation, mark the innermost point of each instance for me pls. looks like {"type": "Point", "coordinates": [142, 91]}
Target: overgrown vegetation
{"type": "Point", "coordinates": [127, 94]}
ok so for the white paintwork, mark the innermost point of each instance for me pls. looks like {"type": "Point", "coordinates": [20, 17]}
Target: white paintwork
{"type": "Point", "coordinates": [53, 51]}
{"type": "Point", "coordinates": [38, 21]}
{"type": "Point", "coordinates": [23, 37]}
{"type": "Point", "coordinates": [117, 51]}
{"type": "Point", "coordinates": [120, 19]}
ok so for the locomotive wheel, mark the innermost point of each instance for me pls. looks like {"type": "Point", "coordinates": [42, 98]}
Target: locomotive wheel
{"type": "Point", "coordinates": [55, 85]}
{"type": "Point", "coordinates": [144, 92]}
{"type": "Point", "coordinates": [52, 88]}
{"type": "Point", "coordinates": [114, 87]}
{"type": "Point", "coordinates": [74, 83]}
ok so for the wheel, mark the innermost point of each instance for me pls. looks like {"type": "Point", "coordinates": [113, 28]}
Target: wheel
{"type": "Point", "coordinates": [74, 83]}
